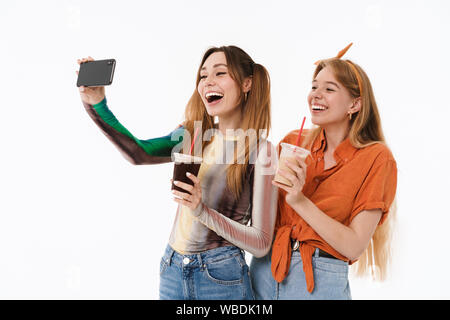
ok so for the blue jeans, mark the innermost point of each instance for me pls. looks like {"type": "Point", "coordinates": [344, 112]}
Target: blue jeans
{"type": "Point", "coordinates": [216, 274]}
{"type": "Point", "coordinates": [330, 279]}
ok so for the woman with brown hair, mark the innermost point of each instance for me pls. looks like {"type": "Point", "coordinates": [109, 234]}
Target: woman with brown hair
{"type": "Point", "coordinates": [336, 210]}
{"type": "Point", "coordinates": [204, 258]}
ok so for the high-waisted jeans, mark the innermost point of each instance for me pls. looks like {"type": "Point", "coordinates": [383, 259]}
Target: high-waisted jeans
{"type": "Point", "coordinates": [330, 279]}
{"type": "Point", "coordinates": [216, 274]}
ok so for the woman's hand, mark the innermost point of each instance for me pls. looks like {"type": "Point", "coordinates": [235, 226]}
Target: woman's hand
{"type": "Point", "coordinates": [90, 95]}
{"type": "Point", "coordinates": [294, 193]}
{"type": "Point", "coordinates": [192, 200]}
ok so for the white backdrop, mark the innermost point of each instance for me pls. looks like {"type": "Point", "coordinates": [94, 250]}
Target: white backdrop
{"type": "Point", "coordinates": [78, 221]}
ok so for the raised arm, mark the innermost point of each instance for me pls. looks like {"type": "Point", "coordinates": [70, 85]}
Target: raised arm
{"type": "Point", "coordinates": [151, 151]}
{"type": "Point", "coordinates": [136, 151]}
{"type": "Point", "coordinates": [257, 237]}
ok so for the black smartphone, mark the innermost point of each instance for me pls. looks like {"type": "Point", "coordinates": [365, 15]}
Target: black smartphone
{"type": "Point", "coordinates": [96, 73]}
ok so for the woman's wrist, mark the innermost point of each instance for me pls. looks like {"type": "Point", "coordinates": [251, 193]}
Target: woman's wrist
{"type": "Point", "coordinates": [198, 211]}
{"type": "Point", "coordinates": [99, 104]}
{"type": "Point", "coordinates": [299, 201]}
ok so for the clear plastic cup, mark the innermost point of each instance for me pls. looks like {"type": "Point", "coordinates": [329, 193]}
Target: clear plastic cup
{"type": "Point", "coordinates": [288, 153]}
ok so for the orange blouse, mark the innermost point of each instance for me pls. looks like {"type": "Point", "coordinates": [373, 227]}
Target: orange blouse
{"type": "Point", "coordinates": [362, 179]}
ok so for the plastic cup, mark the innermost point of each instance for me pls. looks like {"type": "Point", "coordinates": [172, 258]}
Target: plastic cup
{"type": "Point", "coordinates": [185, 163]}
{"type": "Point", "coordinates": [288, 153]}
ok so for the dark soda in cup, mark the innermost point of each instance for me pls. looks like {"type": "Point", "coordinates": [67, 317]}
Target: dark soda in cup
{"type": "Point", "coordinates": [185, 163]}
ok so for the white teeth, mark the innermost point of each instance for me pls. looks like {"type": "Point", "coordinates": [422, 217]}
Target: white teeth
{"type": "Point", "coordinates": [317, 107]}
{"type": "Point", "coordinates": [209, 94]}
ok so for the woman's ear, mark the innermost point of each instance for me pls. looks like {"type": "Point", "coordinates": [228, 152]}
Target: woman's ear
{"type": "Point", "coordinates": [247, 84]}
{"type": "Point", "coordinates": [356, 105]}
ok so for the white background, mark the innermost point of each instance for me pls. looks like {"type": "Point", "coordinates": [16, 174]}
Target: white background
{"type": "Point", "coordinates": [78, 221]}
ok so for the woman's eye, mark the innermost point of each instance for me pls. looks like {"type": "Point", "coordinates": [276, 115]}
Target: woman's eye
{"type": "Point", "coordinates": [202, 77]}
{"type": "Point", "coordinates": [313, 88]}
{"type": "Point", "coordinates": [221, 73]}
{"type": "Point", "coordinates": [329, 89]}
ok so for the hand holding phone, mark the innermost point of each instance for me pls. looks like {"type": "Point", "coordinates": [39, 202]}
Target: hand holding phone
{"type": "Point", "coordinates": [96, 73]}
{"type": "Point", "coordinates": [88, 75]}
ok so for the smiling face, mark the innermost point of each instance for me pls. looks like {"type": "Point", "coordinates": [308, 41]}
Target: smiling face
{"type": "Point", "coordinates": [219, 92]}
{"type": "Point", "coordinates": [329, 101]}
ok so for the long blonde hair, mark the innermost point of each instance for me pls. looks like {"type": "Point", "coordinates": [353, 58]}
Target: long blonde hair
{"type": "Point", "coordinates": [365, 130]}
{"type": "Point", "coordinates": [255, 108]}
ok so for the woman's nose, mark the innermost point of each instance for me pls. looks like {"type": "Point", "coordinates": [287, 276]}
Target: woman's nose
{"type": "Point", "coordinates": [316, 94]}
{"type": "Point", "coordinates": [209, 81]}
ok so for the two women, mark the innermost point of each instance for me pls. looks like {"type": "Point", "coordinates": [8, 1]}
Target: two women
{"type": "Point", "coordinates": [333, 212]}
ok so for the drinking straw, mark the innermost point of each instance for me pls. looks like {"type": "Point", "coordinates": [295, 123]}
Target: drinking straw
{"type": "Point", "coordinates": [193, 141]}
{"type": "Point", "coordinates": [300, 132]}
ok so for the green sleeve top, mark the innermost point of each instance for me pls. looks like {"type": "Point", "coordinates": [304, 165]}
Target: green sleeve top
{"type": "Point", "coordinates": [137, 151]}
{"type": "Point", "coordinates": [221, 219]}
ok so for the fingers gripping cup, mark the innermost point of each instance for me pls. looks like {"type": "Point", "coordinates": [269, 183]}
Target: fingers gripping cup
{"type": "Point", "coordinates": [288, 153]}
{"type": "Point", "coordinates": [185, 163]}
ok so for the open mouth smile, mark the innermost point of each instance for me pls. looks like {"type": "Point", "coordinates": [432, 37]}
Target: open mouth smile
{"type": "Point", "coordinates": [213, 96]}
{"type": "Point", "coordinates": [317, 108]}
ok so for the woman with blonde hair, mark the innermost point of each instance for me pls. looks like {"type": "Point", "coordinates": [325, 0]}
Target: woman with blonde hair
{"type": "Point", "coordinates": [231, 206]}
{"type": "Point", "coordinates": [338, 209]}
